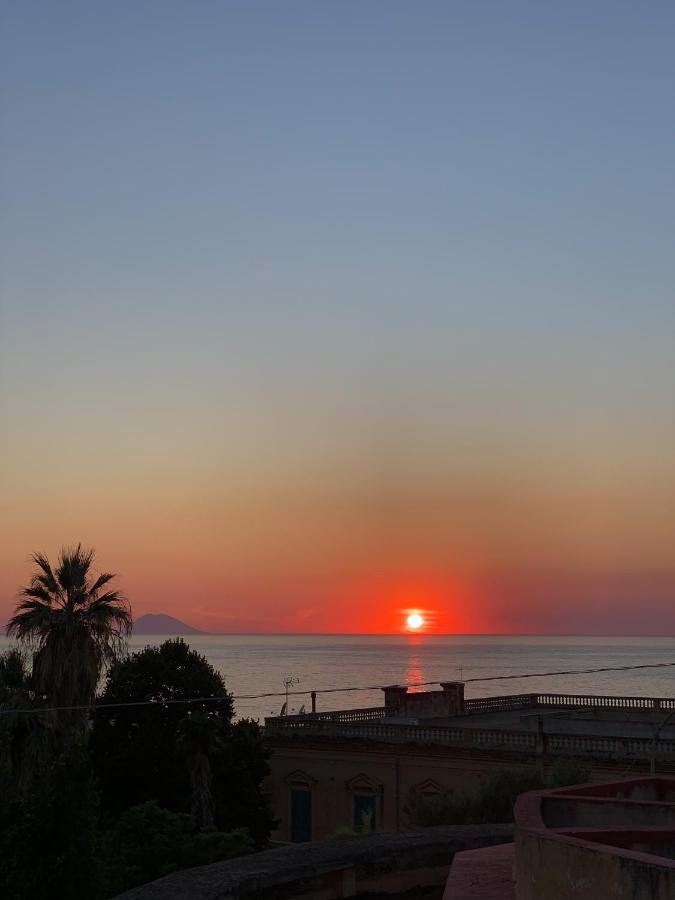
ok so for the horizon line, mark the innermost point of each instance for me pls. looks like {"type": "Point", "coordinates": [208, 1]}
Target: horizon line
{"type": "Point", "coordinates": [199, 632]}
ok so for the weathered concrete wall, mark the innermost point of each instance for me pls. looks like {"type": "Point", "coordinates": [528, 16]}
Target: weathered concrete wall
{"type": "Point", "coordinates": [622, 849]}
{"type": "Point", "coordinates": [398, 701]}
{"type": "Point", "coordinates": [566, 812]}
{"type": "Point", "coordinates": [559, 868]}
{"type": "Point", "coordinates": [296, 872]}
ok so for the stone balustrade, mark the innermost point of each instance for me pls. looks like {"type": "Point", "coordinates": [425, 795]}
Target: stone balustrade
{"type": "Point", "coordinates": [366, 714]}
{"type": "Point", "coordinates": [496, 704]}
{"type": "Point", "coordinates": [483, 705]}
{"type": "Point", "coordinates": [604, 702]}
{"type": "Point", "coordinates": [363, 724]}
{"type": "Point", "coordinates": [494, 739]}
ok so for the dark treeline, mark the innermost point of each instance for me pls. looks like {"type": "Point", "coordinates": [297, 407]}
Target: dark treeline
{"type": "Point", "coordinates": [96, 800]}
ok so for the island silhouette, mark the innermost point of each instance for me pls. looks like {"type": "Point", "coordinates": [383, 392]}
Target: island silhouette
{"type": "Point", "coordinates": [160, 623]}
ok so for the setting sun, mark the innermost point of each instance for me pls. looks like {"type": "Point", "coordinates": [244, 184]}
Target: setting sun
{"type": "Point", "coordinates": [415, 621]}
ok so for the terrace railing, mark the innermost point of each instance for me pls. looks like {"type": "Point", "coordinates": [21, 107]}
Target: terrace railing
{"type": "Point", "coordinates": [367, 724]}
{"type": "Point", "coordinates": [562, 701]}
{"type": "Point", "coordinates": [499, 704]}
{"type": "Point", "coordinates": [479, 705]}
{"type": "Point", "coordinates": [303, 720]}
{"type": "Point", "coordinates": [604, 702]}
{"type": "Point", "coordinates": [528, 742]}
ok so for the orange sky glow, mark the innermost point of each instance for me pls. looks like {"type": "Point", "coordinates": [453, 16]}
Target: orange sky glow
{"type": "Point", "coordinates": [310, 319]}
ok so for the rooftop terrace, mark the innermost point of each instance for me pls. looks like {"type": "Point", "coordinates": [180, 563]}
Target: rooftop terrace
{"type": "Point", "coordinates": [560, 724]}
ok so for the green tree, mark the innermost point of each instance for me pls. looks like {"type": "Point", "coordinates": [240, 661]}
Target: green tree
{"type": "Point", "coordinates": [76, 625]}
{"type": "Point", "coordinates": [239, 770]}
{"type": "Point", "coordinates": [48, 832]}
{"type": "Point", "coordinates": [199, 739]}
{"type": "Point", "coordinates": [494, 799]}
{"type": "Point", "coordinates": [150, 752]}
{"type": "Point", "coordinates": [496, 796]}
{"type": "Point", "coordinates": [148, 842]}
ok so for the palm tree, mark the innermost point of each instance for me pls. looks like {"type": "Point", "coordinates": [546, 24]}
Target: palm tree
{"type": "Point", "coordinates": [75, 624]}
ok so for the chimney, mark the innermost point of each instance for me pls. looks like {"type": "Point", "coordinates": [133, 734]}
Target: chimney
{"type": "Point", "coordinates": [454, 697]}
{"type": "Point", "coordinates": [395, 699]}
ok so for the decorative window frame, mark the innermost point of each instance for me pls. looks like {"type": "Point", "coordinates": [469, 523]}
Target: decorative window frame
{"type": "Point", "coordinates": [429, 788]}
{"type": "Point", "coordinates": [300, 780]}
{"type": "Point", "coordinates": [362, 785]}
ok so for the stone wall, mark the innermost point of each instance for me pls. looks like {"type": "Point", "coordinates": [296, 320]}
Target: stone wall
{"type": "Point", "coordinates": [563, 868]}
{"type": "Point", "coordinates": [327, 869]}
{"type": "Point", "coordinates": [448, 702]}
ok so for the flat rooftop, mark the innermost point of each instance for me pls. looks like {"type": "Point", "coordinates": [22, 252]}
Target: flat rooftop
{"type": "Point", "coordinates": [640, 727]}
{"type": "Point", "coordinates": [582, 721]}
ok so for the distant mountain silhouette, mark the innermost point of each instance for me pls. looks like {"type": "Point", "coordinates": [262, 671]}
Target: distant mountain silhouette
{"type": "Point", "coordinates": [159, 623]}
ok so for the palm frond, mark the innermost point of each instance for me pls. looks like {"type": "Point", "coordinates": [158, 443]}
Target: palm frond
{"type": "Point", "coordinates": [100, 582]}
{"type": "Point", "coordinates": [73, 568]}
{"type": "Point", "coordinates": [47, 578]}
{"type": "Point", "coordinates": [53, 589]}
{"type": "Point", "coordinates": [32, 620]}
{"type": "Point", "coordinates": [38, 592]}
{"type": "Point", "coordinates": [110, 610]}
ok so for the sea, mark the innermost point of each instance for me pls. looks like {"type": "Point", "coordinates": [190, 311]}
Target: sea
{"type": "Point", "coordinates": [347, 671]}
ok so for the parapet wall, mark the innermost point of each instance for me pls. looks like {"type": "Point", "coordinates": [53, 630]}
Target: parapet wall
{"type": "Point", "coordinates": [327, 869]}
{"type": "Point", "coordinates": [449, 701]}
{"type": "Point", "coordinates": [592, 841]}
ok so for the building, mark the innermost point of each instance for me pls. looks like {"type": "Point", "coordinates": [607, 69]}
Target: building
{"type": "Point", "coordinates": [347, 768]}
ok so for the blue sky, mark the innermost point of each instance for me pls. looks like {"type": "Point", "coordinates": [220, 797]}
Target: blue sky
{"type": "Point", "coordinates": [243, 242]}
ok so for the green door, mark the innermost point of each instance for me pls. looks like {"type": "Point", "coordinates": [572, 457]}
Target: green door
{"type": "Point", "coordinates": [364, 813]}
{"type": "Point", "coordinates": [301, 816]}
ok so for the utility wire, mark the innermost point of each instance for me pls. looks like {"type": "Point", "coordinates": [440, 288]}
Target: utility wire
{"type": "Point", "coordinates": [374, 687]}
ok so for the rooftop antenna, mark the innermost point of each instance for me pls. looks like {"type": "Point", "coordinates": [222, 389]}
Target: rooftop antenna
{"type": "Point", "coordinates": [289, 681]}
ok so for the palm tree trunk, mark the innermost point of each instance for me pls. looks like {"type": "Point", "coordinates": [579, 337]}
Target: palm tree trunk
{"type": "Point", "coordinates": [199, 769]}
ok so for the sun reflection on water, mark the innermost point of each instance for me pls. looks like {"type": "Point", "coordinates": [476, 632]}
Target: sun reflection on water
{"type": "Point", "coordinates": [414, 673]}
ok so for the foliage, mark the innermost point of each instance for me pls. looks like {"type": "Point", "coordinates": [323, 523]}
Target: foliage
{"type": "Point", "coordinates": [48, 833]}
{"type": "Point", "coordinates": [444, 808]}
{"type": "Point", "coordinates": [569, 771]}
{"type": "Point", "coordinates": [76, 624]}
{"type": "Point", "coordinates": [198, 739]}
{"type": "Point", "coordinates": [186, 756]}
{"type": "Point", "coordinates": [157, 752]}
{"type": "Point", "coordinates": [494, 798]}
{"type": "Point", "coordinates": [14, 677]}
{"type": "Point", "coordinates": [365, 827]}
{"type": "Point", "coordinates": [239, 771]}
{"type": "Point", "coordinates": [25, 740]}
{"type": "Point", "coordinates": [148, 842]}
{"type": "Point", "coordinates": [366, 822]}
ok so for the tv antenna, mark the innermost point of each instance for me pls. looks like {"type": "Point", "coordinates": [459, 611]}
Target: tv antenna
{"type": "Point", "coordinates": [289, 682]}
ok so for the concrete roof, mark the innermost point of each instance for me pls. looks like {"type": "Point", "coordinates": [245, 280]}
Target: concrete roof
{"type": "Point", "coordinates": [560, 722]}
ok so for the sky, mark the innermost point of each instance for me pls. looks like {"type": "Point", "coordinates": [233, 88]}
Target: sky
{"type": "Point", "coordinates": [313, 313]}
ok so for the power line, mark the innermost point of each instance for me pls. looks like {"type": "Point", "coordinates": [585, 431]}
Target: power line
{"type": "Point", "coordinates": [335, 690]}
{"type": "Point", "coordinates": [574, 672]}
